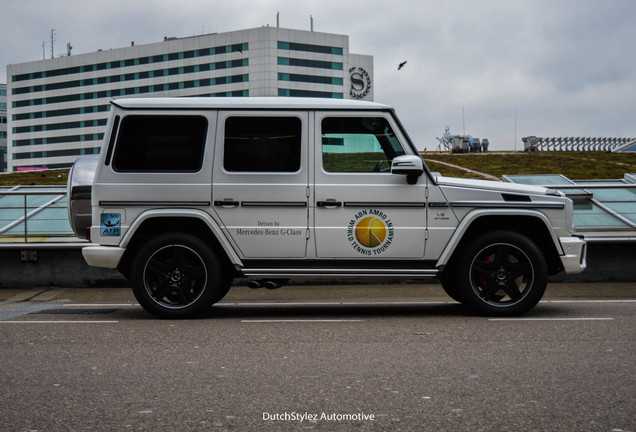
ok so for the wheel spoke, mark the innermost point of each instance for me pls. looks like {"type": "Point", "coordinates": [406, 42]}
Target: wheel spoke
{"type": "Point", "coordinates": [184, 295]}
{"type": "Point", "coordinates": [178, 256]}
{"type": "Point", "coordinates": [490, 290]}
{"type": "Point", "coordinates": [501, 256]}
{"type": "Point", "coordinates": [512, 290]}
{"type": "Point", "coordinates": [519, 269]}
{"type": "Point", "coordinates": [194, 274]}
{"type": "Point", "coordinates": [482, 267]}
{"type": "Point", "coordinates": [157, 267]}
{"type": "Point", "coordinates": [162, 290]}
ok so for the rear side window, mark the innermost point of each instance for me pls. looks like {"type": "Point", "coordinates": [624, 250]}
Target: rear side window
{"type": "Point", "coordinates": [262, 144]}
{"type": "Point", "coordinates": [160, 143]}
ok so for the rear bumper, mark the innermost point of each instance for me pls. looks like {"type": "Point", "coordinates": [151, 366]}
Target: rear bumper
{"type": "Point", "coordinates": [575, 250]}
{"type": "Point", "coordinates": [103, 256]}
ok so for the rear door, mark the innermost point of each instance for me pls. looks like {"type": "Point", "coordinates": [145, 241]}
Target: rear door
{"type": "Point", "coordinates": [260, 182]}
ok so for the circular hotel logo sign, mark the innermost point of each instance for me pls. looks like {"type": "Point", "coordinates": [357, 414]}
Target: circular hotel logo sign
{"type": "Point", "coordinates": [370, 232]}
{"type": "Point", "coordinates": [360, 82]}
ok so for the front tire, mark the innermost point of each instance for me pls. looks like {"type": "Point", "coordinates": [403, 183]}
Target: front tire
{"type": "Point", "coordinates": [448, 281]}
{"type": "Point", "coordinates": [177, 275]}
{"type": "Point", "coordinates": [501, 273]}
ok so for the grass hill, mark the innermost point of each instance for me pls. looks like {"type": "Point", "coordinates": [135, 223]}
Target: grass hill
{"type": "Point", "coordinates": [35, 178]}
{"type": "Point", "coordinates": [574, 165]}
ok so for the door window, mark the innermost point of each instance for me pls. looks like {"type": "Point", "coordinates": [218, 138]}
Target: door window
{"type": "Point", "coordinates": [358, 144]}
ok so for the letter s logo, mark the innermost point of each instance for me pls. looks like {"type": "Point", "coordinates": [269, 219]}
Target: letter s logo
{"type": "Point", "coordinates": [360, 82]}
{"type": "Point", "coordinates": [357, 83]}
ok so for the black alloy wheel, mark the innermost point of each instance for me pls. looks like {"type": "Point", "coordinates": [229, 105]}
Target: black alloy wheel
{"type": "Point", "coordinates": [177, 275]}
{"type": "Point", "coordinates": [502, 273]}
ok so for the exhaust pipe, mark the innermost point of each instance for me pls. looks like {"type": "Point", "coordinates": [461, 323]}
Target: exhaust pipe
{"type": "Point", "coordinates": [255, 284]}
{"type": "Point", "coordinates": [272, 284]}
{"type": "Point", "coordinates": [269, 284]}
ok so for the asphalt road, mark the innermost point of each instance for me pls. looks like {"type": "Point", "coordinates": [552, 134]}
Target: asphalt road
{"type": "Point", "coordinates": [326, 359]}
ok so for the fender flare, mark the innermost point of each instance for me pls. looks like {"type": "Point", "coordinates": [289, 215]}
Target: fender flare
{"type": "Point", "coordinates": [472, 216]}
{"type": "Point", "coordinates": [214, 227]}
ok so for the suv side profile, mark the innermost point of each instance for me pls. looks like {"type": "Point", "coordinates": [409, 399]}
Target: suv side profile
{"type": "Point", "coordinates": [191, 193]}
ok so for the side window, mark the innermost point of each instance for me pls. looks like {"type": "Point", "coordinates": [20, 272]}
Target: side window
{"type": "Point", "coordinates": [262, 144]}
{"type": "Point", "coordinates": [160, 143]}
{"type": "Point", "coordinates": [358, 144]}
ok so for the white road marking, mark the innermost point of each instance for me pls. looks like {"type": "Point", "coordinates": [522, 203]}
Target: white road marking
{"type": "Point", "coordinates": [76, 305]}
{"type": "Point", "coordinates": [550, 319]}
{"type": "Point", "coordinates": [58, 322]}
{"type": "Point", "coordinates": [300, 320]}
{"type": "Point", "coordinates": [309, 303]}
{"type": "Point", "coordinates": [590, 301]}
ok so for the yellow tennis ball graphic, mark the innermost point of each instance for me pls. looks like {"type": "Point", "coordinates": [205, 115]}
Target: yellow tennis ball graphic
{"type": "Point", "coordinates": [370, 232]}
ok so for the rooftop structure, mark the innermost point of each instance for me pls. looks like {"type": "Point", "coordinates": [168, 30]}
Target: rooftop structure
{"type": "Point", "coordinates": [535, 144]}
{"type": "Point", "coordinates": [604, 210]}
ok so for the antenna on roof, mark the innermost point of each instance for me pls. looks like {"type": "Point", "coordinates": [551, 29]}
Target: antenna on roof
{"type": "Point", "coordinates": [68, 49]}
{"type": "Point", "coordinates": [52, 43]}
{"type": "Point", "coordinates": [277, 19]}
{"type": "Point", "coordinates": [311, 23]}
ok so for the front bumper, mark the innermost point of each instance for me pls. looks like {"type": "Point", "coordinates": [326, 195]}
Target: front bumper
{"type": "Point", "coordinates": [103, 256]}
{"type": "Point", "coordinates": [575, 250]}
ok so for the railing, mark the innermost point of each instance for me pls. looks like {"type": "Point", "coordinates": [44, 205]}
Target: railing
{"type": "Point", "coordinates": [35, 217]}
{"type": "Point", "coordinates": [533, 143]}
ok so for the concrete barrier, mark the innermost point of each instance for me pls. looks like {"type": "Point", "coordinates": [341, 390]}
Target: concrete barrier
{"type": "Point", "coordinates": [65, 267]}
{"type": "Point", "coordinates": [53, 267]}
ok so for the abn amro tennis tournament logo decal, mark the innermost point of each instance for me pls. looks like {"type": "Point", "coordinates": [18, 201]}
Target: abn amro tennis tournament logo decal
{"type": "Point", "coordinates": [370, 232]}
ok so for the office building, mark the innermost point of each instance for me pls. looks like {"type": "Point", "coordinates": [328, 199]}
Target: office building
{"type": "Point", "coordinates": [58, 108]}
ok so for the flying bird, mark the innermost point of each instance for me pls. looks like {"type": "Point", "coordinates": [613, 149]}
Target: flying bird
{"type": "Point", "coordinates": [401, 65]}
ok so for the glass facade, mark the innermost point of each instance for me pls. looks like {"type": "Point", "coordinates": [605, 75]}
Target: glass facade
{"type": "Point", "coordinates": [3, 127]}
{"type": "Point", "coordinates": [600, 206]}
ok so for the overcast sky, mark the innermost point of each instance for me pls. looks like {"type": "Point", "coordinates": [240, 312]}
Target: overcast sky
{"type": "Point", "coordinates": [567, 68]}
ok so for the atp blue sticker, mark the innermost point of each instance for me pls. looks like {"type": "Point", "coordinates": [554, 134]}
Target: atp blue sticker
{"type": "Point", "coordinates": [110, 225]}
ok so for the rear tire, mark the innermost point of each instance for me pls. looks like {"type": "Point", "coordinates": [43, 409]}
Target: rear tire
{"type": "Point", "coordinates": [177, 275]}
{"type": "Point", "coordinates": [501, 273]}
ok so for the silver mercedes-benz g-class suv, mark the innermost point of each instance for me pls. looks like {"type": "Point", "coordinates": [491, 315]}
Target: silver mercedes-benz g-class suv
{"type": "Point", "coordinates": [190, 193]}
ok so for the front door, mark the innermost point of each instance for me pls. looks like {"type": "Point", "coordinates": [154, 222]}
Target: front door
{"type": "Point", "coordinates": [260, 185]}
{"type": "Point", "coordinates": [361, 210]}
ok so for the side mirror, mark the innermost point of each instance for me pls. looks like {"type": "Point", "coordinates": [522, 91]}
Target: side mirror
{"type": "Point", "coordinates": [410, 166]}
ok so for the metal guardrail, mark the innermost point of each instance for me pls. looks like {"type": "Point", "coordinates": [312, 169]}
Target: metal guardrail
{"type": "Point", "coordinates": [20, 214]}
{"type": "Point", "coordinates": [553, 144]}
{"type": "Point", "coordinates": [27, 239]}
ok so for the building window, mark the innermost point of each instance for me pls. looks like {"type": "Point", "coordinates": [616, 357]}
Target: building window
{"type": "Point", "coordinates": [132, 61]}
{"type": "Point", "coordinates": [308, 93]}
{"type": "Point", "coordinates": [309, 79]}
{"type": "Point", "coordinates": [293, 46]}
{"type": "Point", "coordinates": [128, 77]}
{"type": "Point", "coordinates": [318, 64]}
